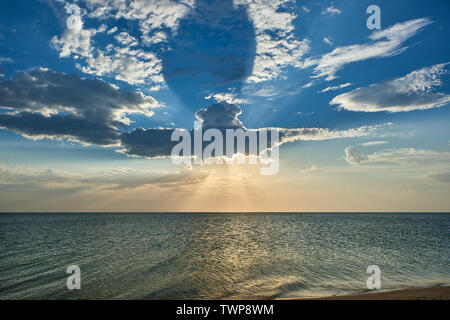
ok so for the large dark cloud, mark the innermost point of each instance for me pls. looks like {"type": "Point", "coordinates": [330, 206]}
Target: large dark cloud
{"type": "Point", "coordinates": [157, 142]}
{"type": "Point", "coordinates": [150, 143]}
{"type": "Point", "coordinates": [213, 46]}
{"type": "Point", "coordinates": [69, 126]}
{"type": "Point", "coordinates": [222, 116]}
{"type": "Point", "coordinates": [46, 103]}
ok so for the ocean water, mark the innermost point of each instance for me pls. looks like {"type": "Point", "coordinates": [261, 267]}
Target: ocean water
{"type": "Point", "coordinates": [218, 256]}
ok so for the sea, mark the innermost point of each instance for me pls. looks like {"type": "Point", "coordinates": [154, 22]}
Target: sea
{"type": "Point", "coordinates": [219, 255]}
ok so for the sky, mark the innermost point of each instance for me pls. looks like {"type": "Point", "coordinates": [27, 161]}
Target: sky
{"type": "Point", "coordinates": [90, 92]}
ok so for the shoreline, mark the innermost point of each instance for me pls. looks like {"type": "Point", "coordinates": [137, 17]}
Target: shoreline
{"type": "Point", "coordinates": [429, 293]}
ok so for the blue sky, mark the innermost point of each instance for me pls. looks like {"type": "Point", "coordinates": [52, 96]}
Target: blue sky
{"type": "Point", "coordinates": [82, 104]}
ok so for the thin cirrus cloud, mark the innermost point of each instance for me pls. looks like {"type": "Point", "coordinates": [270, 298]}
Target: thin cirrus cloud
{"type": "Point", "coordinates": [334, 88]}
{"type": "Point", "coordinates": [331, 10]}
{"type": "Point", "coordinates": [386, 43]}
{"type": "Point", "coordinates": [404, 157]}
{"type": "Point", "coordinates": [328, 41]}
{"type": "Point", "coordinates": [22, 179]}
{"type": "Point", "coordinates": [374, 143]}
{"type": "Point", "coordinates": [440, 177]}
{"type": "Point", "coordinates": [415, 91]}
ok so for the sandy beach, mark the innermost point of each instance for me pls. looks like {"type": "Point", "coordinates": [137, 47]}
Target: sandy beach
{"type": "Point", "coordinates": [432, 293]}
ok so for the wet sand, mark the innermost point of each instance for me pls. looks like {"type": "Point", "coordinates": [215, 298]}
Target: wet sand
{"type": "Point", "coordinates": [432, 293]}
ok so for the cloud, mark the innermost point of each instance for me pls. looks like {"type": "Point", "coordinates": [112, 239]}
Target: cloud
{"type": "Point", "coordinates": [331, 10]}
{"type": "Point", "coordinates": [102, 28]}
{"type": "Point", "coordinates": [386, 43]}
{"type": "Point", "coordinates": [151, 14]}
{"type": "Point", "coordinates": [75, 39]}
{"type": "Point", "coordinates": [220, 115]}
{"type": "Point", "coordinates": [155, 143]}
{"type": "Point", "coordinates": [320, 134]}
{"type": "Point", "coordinates": [373, 143]}
{"type": "Point", "coordinates": [277, 47]}
{"type": "Point", "coordinates": [150, 143]}
{"type": "Point", "coordinates": [125, 39]}
{"type": "Point", "coordinates": [306, 9]}
{"type": "Point", "coordinates": [76, 42]}
{"type": "Point", "coordinates": [334, 88]}
{"type": "Point", "coordinates": [328, 41]}
{"type": "Point", "coordinates": [112, 30]}
{"type": "Point", "coordinates": [16, 179]}
{"type": "Point", "coordinates": [70, 127]}
{"type": "Point", "coordinates": [43, 103]}
{"type": "Point", "coordinates": [398, 157]}
{"type": "Point", "coordinates": [160, 21]}
{"type": "Point", "coordinates": [353, 156]}
{"type": "Point", "coordinates": [440, 177]}
{"type": "Point", "coordinates": [311, 169]}
{"type": "Point", "coordinates": [227, 97]}
{"type": "Point", "coordinates": [6, 60]}
{"type": "Point", "coordinates": [156, 38]}
{"type": "Point", "coordinates": [409, 156]}
{"type": "Point", "coordinates": [41, 189]}
{"type": "Point", "coordinates": [134, 66]}
{"type": "Point", "coordinates": [213, 47]}
{"type": "Point", "coordinates": [415, 91]}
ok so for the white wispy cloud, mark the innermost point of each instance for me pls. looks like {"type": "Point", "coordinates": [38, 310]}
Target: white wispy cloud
{"type": "Point", "coordinates": [319, 134]}
{"type": "Point", "coordinates": [398, 157]}
{"type": "Point", "coordinates": [415, 91]}
{"type": "Point", "coordinates": [334, 88]}
{"type": "Point", "coordinates": [151, 14]}
{"type": "Point", "coordinates": [126, 39]}
{"type": "Point", "coordinates": [331, 10]}
{"type": "Point", "coordinates": [6, 60]}
{"type": "Point", "coordinates": [228, 97]}
{"type": "Point", "coordinates": [386, 43]}
{"type": "Point", "coordinates": [112, 30]}
{"type": "Point", "coordinates": [374, 143]}
{"type": "Point", "coordinates": [328, 41]}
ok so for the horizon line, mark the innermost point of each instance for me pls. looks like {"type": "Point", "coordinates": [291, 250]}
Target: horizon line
{"type": "Point", "coordinates": [227, 212]}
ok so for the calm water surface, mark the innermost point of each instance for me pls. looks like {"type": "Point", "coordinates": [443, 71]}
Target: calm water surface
{"type": "Point", "coordinates": [218, 256]}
